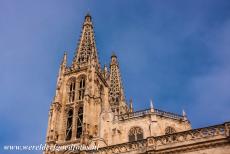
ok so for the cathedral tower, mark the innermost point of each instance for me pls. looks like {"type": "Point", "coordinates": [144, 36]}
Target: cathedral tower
{"type": "Point", "coordinates": [81, 94]}
{"type": "Point", "coordinates": [89, 106]}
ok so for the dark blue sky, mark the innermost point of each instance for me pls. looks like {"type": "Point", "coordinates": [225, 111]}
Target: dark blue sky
{"type": "Point", "coordinates": [175, 52]}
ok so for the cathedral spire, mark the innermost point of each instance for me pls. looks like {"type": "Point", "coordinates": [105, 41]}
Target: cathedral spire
{"type": "Point", "coordinates": [86, 52]}
{"type": "Point", "coordinates": [184, 115]}
{"type": "Point", "coordinates": [117, 97]}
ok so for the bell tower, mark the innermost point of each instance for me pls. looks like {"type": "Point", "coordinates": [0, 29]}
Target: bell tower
{"type": "Point", "coordinates": [81, 94]}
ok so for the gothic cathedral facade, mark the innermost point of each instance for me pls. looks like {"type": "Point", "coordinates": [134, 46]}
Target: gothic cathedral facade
{"type": "Point", "coordinates": [90, 108]}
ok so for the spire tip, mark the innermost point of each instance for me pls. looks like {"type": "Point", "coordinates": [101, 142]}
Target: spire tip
{"type": "Point", "coordinates": [151, 105]}
{"type": "Point", "coordinates": [183, 113]}
{"type": "Point", "coordinates": [88, 14]}
{"type": "Point", "coordinates": [113, 55]}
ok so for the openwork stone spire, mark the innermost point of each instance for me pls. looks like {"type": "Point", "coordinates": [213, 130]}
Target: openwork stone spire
{"type": "Point", "coordinates": [116, 91]}
{"type": "Point", "coordinates": [86, 52]}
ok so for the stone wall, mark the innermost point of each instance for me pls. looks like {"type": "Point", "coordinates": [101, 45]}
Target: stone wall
{"type": "Point", "coordinates": [207, 140]}
{"type": "Point", "coordinates": [115, 129]}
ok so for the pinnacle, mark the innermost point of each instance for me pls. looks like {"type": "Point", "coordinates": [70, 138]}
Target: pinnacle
{"type": "Point", "coordinates": [113, 55]}
{"type": "Point", "coordinates": [87, 14]}
{"type": "Point", "coordinates": [64, 60]}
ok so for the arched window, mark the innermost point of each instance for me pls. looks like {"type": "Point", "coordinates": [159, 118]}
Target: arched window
{"type": "Point", "coordinates": [135, 134]}
{"type": "Point", "coordinates": [81, 91]}
{"type": "Point", "coordinates": [79, 122]}
{"type": "Point", "coordinates": [72, 91]}
{"type": "Point", "coordinates": [69, 124]}
{"type": "Point", "coordinates": [169, 130]}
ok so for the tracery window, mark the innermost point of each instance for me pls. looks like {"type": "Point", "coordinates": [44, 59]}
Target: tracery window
{"type": "Point", "coordinates": [135, 133]}
{"type": "Point", "coordinates": [69, 124]}
{"type": "Point", "coordinates": [169, 130]}
{"type": "Point", "coordinates": [79, 122]}
{"type": "Point", "coordinates": [81, 90]}
{"type": "Point", "coordinates": [72, 90]}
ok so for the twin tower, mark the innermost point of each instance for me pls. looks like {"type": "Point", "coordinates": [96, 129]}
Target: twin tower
{"type": "Point", "coordinates": [90, 108]}
{"type": "Point", "coordinates": [84, 90]}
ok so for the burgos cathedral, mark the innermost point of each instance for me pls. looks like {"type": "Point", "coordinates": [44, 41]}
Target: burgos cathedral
{"type": "Point", "coordinates": [89, 108]}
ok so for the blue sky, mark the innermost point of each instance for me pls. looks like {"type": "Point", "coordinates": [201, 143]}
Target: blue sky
{"type": "Point", "coordinates": [175, 52]}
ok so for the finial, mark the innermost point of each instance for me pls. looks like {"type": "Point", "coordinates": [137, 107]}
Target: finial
{"type": "Point", "coordinates": [151, 105]}
{"type": "Point", "coordinates": [88, 14]}
{"type": "Point", "coordinates": [131, 105]}
{"type": "Point", "coordinates": [88, 19]}
{"type": "Point", "coordinates": [105, 68]}
{"type": "Point", "coordinates": [183, 113]}
{"type": "Point", "coordinates": [113, 55]}
{"type": "Point", "coordinates": [105, 71]}
{"type": "Point", "coordinates": [64, 60]}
